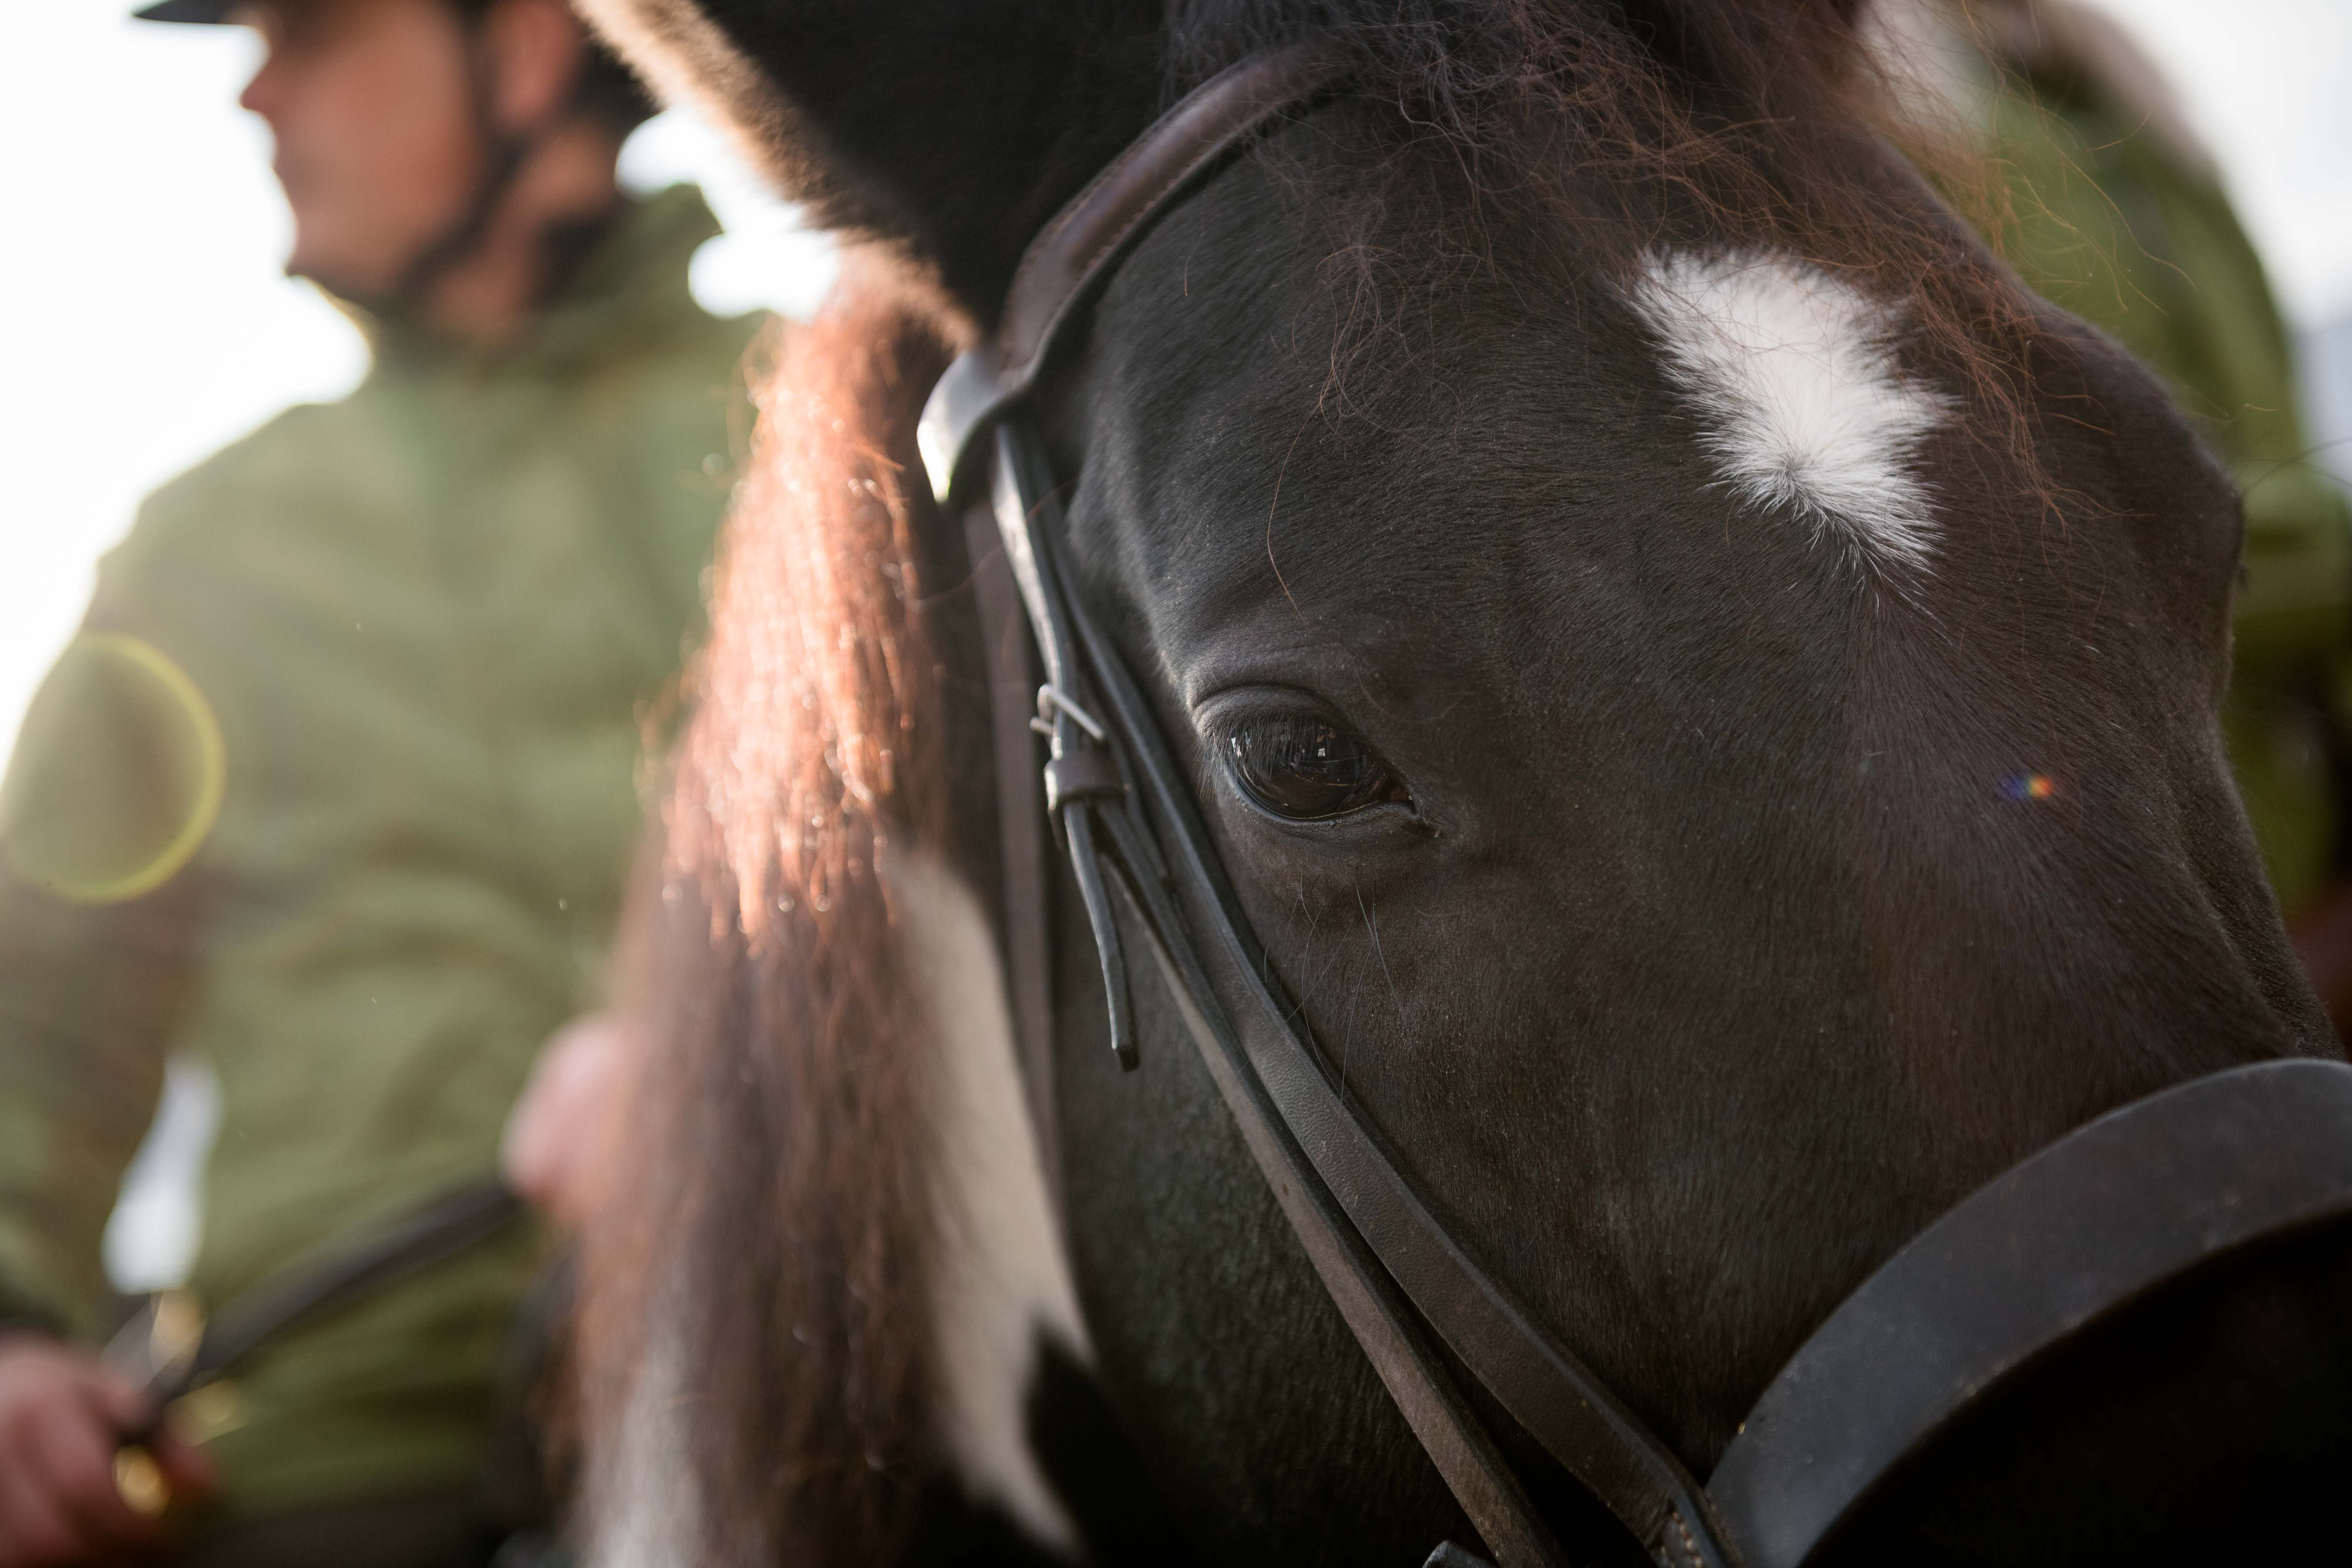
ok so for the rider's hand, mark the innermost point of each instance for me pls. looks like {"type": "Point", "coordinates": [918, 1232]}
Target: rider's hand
{"type": "Point", "coordinates": [561, 1135]}
{"type": "Point", "coordinates": [62, 1416]}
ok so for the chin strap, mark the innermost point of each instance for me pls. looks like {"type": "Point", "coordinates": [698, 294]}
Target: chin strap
{"type": "Point", "coordinates": [504, 153]}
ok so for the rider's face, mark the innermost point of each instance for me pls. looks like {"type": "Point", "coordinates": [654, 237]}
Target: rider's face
{"type": "Point", "coordinates": [373, 111]}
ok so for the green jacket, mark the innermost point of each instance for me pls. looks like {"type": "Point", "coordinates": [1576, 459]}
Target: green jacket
{"type": "Point", "coordinates": [2123, 224]}
{"type": "Point", "coordinates": [336, 792]}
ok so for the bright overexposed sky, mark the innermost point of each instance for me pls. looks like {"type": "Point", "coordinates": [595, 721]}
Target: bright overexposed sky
{"type": "Point", "coordinates": [144, 321]}
{"type": "Point", "coordinates": [2268, 84]}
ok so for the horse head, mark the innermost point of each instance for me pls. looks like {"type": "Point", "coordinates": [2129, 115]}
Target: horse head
{"type": "Point", "coordinates": [1704, 691]}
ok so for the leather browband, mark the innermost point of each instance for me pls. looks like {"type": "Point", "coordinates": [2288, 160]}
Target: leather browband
{"type": "Point", "coordinates": [1087, 237]}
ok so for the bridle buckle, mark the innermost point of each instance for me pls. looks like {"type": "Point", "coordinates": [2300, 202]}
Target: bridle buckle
{"type": "Point", "coordinates": [1051, 700]}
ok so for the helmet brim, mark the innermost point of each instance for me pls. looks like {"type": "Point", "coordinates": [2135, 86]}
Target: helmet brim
{"type": "Point", "coordinates": [205, 12]}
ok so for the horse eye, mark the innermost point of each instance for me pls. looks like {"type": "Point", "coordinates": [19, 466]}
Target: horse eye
{"type": "Point", "coordinates": [1307, 769]}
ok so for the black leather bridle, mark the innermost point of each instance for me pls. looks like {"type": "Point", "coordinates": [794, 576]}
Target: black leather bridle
{"type": "Point", "coordinates": [2130, 1202]}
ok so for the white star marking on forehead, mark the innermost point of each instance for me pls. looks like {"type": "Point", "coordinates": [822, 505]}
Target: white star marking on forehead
{"type": "Point", "coordinates": [1793, 376]}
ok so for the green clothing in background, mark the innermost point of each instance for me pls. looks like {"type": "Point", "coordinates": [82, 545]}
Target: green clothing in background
{"type": "Point", "coordinates": [336, 793]}
{"type": "Point", "coordinates": [2118, 217]}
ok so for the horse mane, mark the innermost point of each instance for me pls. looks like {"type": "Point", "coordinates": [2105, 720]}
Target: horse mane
{"type": "Point", "coordinates": [765, 1274]}
{"type": "Point", "coordinates": [755, 1311]}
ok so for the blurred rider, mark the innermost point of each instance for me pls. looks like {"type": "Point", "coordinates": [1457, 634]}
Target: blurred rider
{"type": "Point", "coordinates": [335, 788]}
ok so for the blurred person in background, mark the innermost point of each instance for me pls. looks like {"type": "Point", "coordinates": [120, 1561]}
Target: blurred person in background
{"type": "Point", "coordinates": [2112, 209]}
{"type": "Point", "coordinates": [335, 789]}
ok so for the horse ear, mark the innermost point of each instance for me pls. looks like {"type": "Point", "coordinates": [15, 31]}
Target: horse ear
{"type": "Point", "coordinates": [951, 129]}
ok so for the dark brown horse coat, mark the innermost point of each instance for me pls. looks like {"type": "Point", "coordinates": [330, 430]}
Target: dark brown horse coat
{"type": "Point", "coordinates": [1784, 658]}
